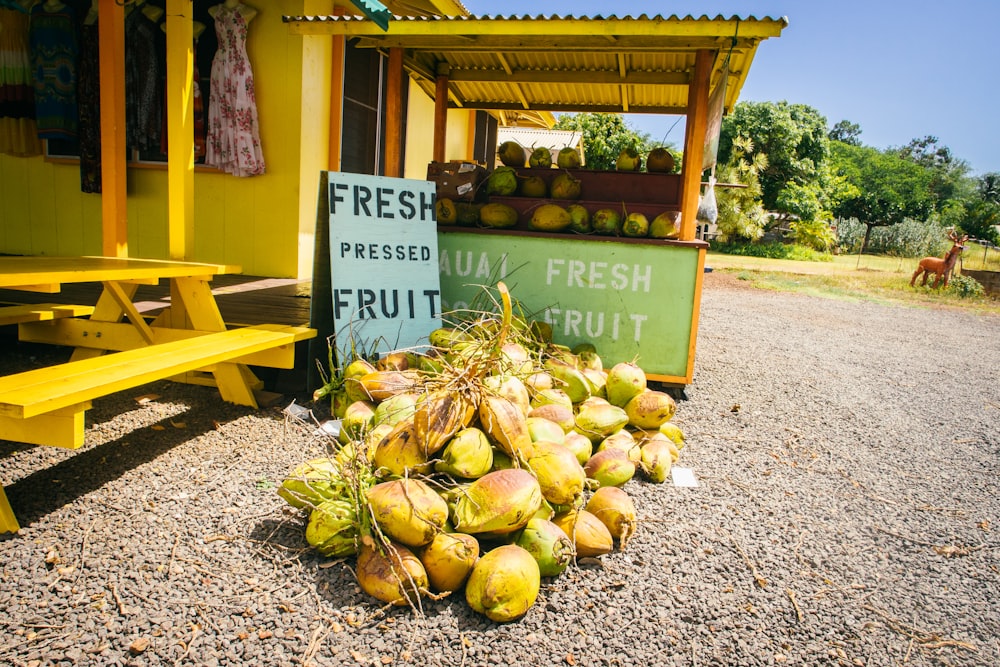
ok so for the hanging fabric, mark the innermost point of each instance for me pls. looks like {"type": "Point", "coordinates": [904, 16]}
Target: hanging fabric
{"type": "Point", "coordinates": [18, 132]}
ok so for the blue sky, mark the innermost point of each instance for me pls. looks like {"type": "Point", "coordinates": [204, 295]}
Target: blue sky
{"type": "Point", "coordinates": [900, 70]}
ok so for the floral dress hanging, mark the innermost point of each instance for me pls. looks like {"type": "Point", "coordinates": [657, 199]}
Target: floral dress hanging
{"type": "Point", "coordinates": [233, 142]}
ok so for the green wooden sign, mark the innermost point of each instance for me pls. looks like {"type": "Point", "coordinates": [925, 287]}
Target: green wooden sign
{"type": "Point", "coordinates": [633, 301]}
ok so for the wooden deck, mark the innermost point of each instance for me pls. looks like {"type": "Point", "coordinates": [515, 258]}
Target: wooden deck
{"type": "Point", "coordinates": [241, 299]}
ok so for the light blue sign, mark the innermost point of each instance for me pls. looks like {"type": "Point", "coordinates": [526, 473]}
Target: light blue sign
{"type": "Point", "coordinates": [383, 260]}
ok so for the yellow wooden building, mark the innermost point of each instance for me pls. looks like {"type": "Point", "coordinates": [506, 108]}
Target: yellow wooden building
{"type": "Point", "coordinates": [335, 91]}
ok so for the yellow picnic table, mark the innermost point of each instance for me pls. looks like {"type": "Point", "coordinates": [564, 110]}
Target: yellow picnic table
{"type": "Point", "coordinates": [187, 341]}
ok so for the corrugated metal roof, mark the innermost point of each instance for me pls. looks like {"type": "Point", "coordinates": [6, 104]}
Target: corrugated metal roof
{"type": "Point", "coordinates": [561, 63]}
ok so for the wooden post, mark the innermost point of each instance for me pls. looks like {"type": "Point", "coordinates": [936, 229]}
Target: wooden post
{"type": "Point", "coordinates": [336, 102]}
{"type": "Point", "coordinates": [441, 111]}
{"type": "Point", "coordinates": [694, 141]}
{"type": "Point", "coordinates": [180, 127]}
{"type": "Point", "coordinates": [114, 215]}
{"type": "Point", "coordinates": [394, 114]}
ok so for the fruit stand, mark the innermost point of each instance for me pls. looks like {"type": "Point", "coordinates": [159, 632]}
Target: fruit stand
{"type": "Point", "coordinates": [633, 298]}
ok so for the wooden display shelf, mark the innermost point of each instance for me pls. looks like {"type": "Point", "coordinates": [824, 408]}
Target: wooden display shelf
{"type": "Point", "coordinates": [634, 187]}
{"type": "Point", "coordinates": [525, 206]}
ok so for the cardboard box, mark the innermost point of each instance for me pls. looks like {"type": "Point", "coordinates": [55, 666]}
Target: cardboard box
{"type": "Point", "coordinates": [457, 180]}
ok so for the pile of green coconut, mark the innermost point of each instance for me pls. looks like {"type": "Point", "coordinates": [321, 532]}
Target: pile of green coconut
{"type": "Point", "coordinates": [491, 460]}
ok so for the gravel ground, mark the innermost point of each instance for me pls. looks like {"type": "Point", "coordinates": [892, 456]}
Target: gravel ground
{"type": "Point", "coordinates": [847, 513]}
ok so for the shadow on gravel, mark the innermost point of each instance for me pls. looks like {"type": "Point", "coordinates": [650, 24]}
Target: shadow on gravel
{"type": "Point", "coordinates": [61, 483]}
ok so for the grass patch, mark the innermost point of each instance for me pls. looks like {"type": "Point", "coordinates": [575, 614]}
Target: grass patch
{"type": "Point", "coordinates": [842, 282]}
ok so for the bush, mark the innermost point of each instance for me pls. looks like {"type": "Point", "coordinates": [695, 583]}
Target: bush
{"type": "Point", "coordinates": [774, 250]}
{"type": "Point", "coordinates": [910, 238]}
{"type": "Point", "coordinates": [965, 287]}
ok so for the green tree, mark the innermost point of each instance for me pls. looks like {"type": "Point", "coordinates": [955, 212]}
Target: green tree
{"type": "Point", "coordinates": [792, 136]}
{"type": "Point", "coordinates": [948, 173]}
{"type": "Point", "coordinates": [889, 188]}
{"type": "Point", "coordinates": [741, 214]}
{"type": "Point", "coordinates": [988, 187]}
{"type": "Point", "coordinates": [605, 135]}
{"type": "Point", "coordinates": [846, 132]}
{"type": "Point", "coordinates": [981, 220]}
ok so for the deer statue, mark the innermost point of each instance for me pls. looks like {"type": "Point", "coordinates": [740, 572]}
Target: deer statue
{"type": "Point", "coordinates": [941, 268]}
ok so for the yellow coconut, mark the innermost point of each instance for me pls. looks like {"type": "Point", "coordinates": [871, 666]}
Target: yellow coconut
{"type": "Point", "coordinates": [497, 503]}
{"type": "Point", "coordinates": [394, 575]}
{"type": "Point", "coordinates": [380, 385]}
{"type": "Point", "coordinates": [655, 460]}
{"type": "Point", "coordinates": [448, 560]}
{"type": "Point", "coordinates": [624, 441]}
{"type": "Point", "coordinates": [616, 511]}
{"type": "Point", "coordinates": [408, 511]}
{"type": "Point", "coordinates": [597, 421]}
{"type": "Point", "coordinates": [400, 452]}
{"type": "Point", "coordinates": [650, 408]}
{"type": "Point", "coordinates": [504, 584]}
{"type": "Point", "coordinates": [559, 414]}
{"type": "Point", "coordinates": [553, 395]}
{"type": "Point", "coordinates": [560, 476]}
{"type": "Point", "coordinates": [352, 375]}
{"type": "Point", "coordinates": [438, 416]}
{"type": "Point", "coordinates": [580, 445]}
{"type": "Point", "coordinates": [540, 428]}
{"type": "Point", "coordinates": [590, 537]}
{"type": "Point", "coordinates": [504, 424]}
{"type": "Point", "coordinates": [511, 388]}
{"type": "Point", "coordinates": [674, 432]}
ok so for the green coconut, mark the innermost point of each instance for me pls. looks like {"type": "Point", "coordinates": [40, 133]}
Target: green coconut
{"type": "Point", "coordinates": [504, 584]}
{"type": "Point", "coordinates": [333, 528]}
{"type": "Point", "coordinates": [540, 158]}
{"type": "Point", "coordinates": [533, 186]}
{"type": "Point", "coordinates": [580, 445]}
{"type": "Point", "coordinates": [569, 158]}
{"type": "Point", "coordinates": [597, 421]}
{"type": "Point", "coordinates": [557, 414]}
{"type": "Point", "coordinates": [502, 181]}
{"type": "Point", "coordinates": [511, 154]}
{"type": "Point", "coordinates": [579, 219]}
{"type": "Point", "coordinates": [312, 482]}
{"type": "Point", "coordinates": [635, 225]}
{"type": "Point", "coordinates": [606, 221]}
{"type": "Point", "coordinates": [542, 429]}
{"type": "Point", "coordinates": [548, 544]}
{"type": "Point", "coordinates": [610, 467]}
{"type": "Point", "coordinates": [468, 454]}
{"type": "Point", "coordinates": [394, 409]}
{"type": "Point", "coordinates": [625, 380]}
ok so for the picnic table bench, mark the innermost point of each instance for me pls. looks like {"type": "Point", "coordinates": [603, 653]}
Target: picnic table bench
{"type": "Point", "coordinates": [117, 349]}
